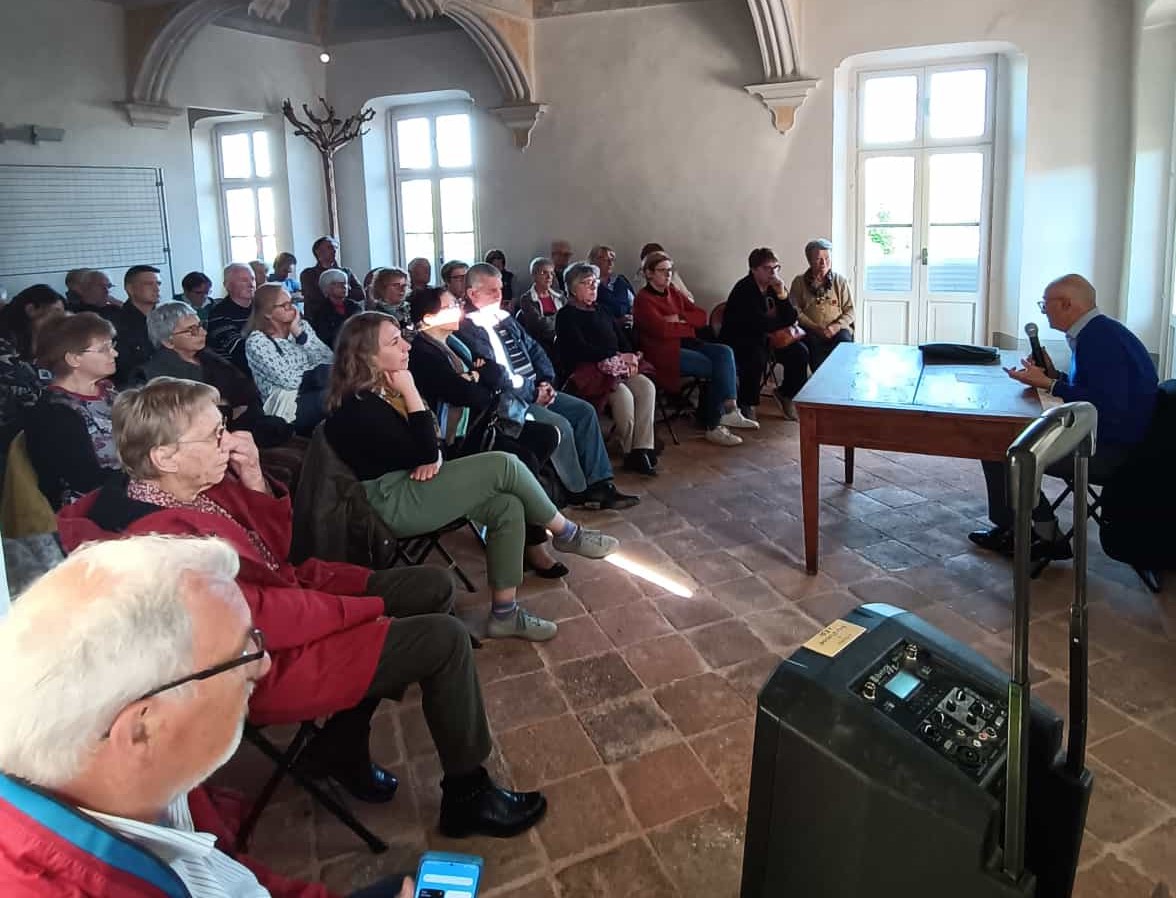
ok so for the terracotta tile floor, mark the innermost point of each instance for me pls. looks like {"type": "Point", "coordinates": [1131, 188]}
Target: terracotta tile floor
{"type": "Point", "coordinates": [637, 719]}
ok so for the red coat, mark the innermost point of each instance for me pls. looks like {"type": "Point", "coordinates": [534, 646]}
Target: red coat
{"type": "Point", "coordinates": [661, 341]}
{"type": "Point", "coordinates": [323, 634]}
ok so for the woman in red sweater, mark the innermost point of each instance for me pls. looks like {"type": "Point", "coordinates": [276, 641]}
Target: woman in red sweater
{"type": "Point", "coordinates": [667, 323]}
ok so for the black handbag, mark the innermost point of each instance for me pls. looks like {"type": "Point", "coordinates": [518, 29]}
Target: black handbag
{"type": "Point", "coordinates": [959, 353]}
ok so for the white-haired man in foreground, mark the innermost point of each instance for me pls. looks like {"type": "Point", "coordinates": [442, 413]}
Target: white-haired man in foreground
{"type": "Point", "coordinates": [126, 673]}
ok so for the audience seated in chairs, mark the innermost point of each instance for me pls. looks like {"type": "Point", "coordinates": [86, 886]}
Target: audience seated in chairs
{"type": "Point", "coordinates": [283, 274]}
{"type": "Point", "coordinates": [420, 272]}
{"type": "Point", "coordinates": [676, 279]}
{"type": "Point", "coordinates": [497, 258]}
{"type": "Point", "coordinates": [824, 303]}
{"type": "Point", "coordinates": [68, 431]}
{"type": "Point", "coordinates": [389, 290]}
{"type": "Point", "coordinates": [290, 364]}
{"type": "Point", "coordinates": [469, 403]}
{"type": "Point", "coordinates": [667, 325]}
{"type": "Point", "coordinates": [341, 637]}
{"type": "Point", "coordinates": [228, 317]}
{"type": "Point", "coordinates": [20, 381]}
{"type": "Point", "coordinates": [326, 255]}
{"type": "Point", "coordinates": [98, 746]}
{"type": "Point", "coordinates": [196, 286]}
{"type": "Point", "coordinates": [760, 325]}
{"type": "Point", "coordinates": [605, 369]}
{"type": "Point", "coordinates": [92, 293]}
{"type": "Point", "coordinates": [1109, 368]}
{"type": "Point", "coordinates": [537, 307]}
{"type": "Point", "coordinates": [180, 351]}
{"type": "Point", "coordinates": [614, 293]}
{"type": "Point", "coordinates": [581, 459]}
{"type": "Point", "coordinates": [142, 284]}
{"type": "Point", "coordinates": [336, 308]}
{"type": "Point", "coordinates": [453, 277]}
{"type": "Point", "coordinates": [379, 426]}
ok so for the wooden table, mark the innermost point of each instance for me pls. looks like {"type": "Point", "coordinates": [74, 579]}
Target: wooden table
{"type": "Point", "coordinates": [885, 397]}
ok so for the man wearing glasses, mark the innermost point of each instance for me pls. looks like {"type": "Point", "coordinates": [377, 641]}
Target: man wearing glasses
{"type": "Point", "coordinates": [130, 668]}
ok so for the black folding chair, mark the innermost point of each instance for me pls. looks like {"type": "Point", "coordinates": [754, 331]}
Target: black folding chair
{"type": "Point", "coordinates": [416, 549]}
{"type": "Point", "coordinates": [671, 406]}
{"type": "Point", "coordinates": [286, 763]}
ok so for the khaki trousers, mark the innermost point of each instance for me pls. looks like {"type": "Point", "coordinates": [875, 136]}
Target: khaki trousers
{"type": "Point", "coordinates": [632, 404]}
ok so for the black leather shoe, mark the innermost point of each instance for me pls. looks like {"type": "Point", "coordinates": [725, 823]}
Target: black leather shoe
{"type": "Point", "coordinates": [1050, 549]}
{"type": "Point", "coordinates": [491, 811]}
{"type": "Point", "coordinates": [998, 539]}
{"type": "Point", "coordinates": [376, 787]}
{"type": "Point", "coordinates": [611, 497]}
{"type": "Point", "coordinates": [638, 462]}
{"type": "Point", "coordinates": [652, 455]}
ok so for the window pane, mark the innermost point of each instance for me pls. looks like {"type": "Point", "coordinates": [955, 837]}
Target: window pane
{"type": "Point", "coordinates": [235, 156]}
{"type": "Point", "coordinates": [889, 189]}
{"type": "Point", "coordinates": [261, 154]}
{"type": "Point", "coordinates": [240, 212]}
{"type": "Point", "coordinates": [457, 204]}
{"type": "Point", "coordinates": [459, 246]}
{"type": "Point", "coordinates": [958, 104]}
{"type": "Point", "coordinates": [888, 109]}
{"type": "Point", "coordinates": [957, 187]}
{"type": "Point", "coordinates": [953, 259]}
{"type": "Point", "coordinates": [265, 210]}
{"type": "Point", "coordinates": [888, 259]}
{"type": "Point", "coordinates": [244, 249]}
{"type": "Point", "coordinates": [412, 143]}
{"type": "Point", "coordinates": [453, 141]}
{"type": "Point", "coordinates": [269, 249]}
{"type": "Point", "coordinates": [420, 245]}
{"type": "Point", "coordinates": [416, 206]}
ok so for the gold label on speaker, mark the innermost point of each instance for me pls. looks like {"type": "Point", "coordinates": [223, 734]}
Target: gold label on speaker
{"type": "Point", "coordinates": [831, 640]}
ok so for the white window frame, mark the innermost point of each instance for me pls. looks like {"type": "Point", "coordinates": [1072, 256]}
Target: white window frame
{"type": "Point", "coordinates": [434, 174]}
{"type": "Point", "coordinates": [920, 146]}
{"type": "Point", "coordinates": [225, 184]}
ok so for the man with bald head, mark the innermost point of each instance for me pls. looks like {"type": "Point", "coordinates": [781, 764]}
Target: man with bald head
{"type": "Point", "coordinates": [127, 672]}
{"type": "Point", "coordinates": [1109, 368]}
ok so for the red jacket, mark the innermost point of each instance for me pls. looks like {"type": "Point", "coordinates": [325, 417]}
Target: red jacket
{"type": "Point", "coordinates": [661, 340]}
{"type": "Point", "coordinates": [50, 850]}
{"type": "Point", "coordinates": [323, 634]}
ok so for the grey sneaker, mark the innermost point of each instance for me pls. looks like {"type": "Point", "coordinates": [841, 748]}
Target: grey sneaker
{"type": "Point", "coordinates": [522, 625]}
{"type": "Point", "coordinates": [589, 543]}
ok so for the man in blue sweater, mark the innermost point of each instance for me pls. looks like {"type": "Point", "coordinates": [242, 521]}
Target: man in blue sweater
{"type": "Point", "coordinates": [1109, 368]}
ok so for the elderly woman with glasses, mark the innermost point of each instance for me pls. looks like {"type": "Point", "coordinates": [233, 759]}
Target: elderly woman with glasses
{"type": "Point", "coordinates": [824, 303]}
{"type": "Point", "coordinates": [290, 364]}
{"type": "Point", "coordinates": [537, 307]}
{"type": "Point", "coordinates": [68, 431]}
{"type": "Point", "coordinates": [341, 637]}
{"type": "Point", "coordinates": [606, 370]}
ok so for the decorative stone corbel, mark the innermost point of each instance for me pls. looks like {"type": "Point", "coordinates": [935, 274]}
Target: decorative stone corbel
{"type": "Point", "coordinates": [520, 119]}
{"type": "Point", "coordinates": [783, 98]}
{"type": "Point", "coordinates": [150, 115]}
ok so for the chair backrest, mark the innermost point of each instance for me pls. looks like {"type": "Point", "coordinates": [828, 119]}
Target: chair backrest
{"type": "Point", "coordinates": [24, 510]}
{"type": "Point", "coordinates": [716, 318]}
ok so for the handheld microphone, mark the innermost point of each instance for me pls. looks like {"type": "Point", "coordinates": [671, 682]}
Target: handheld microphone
{"type": "Point", "coordinates": [1036, 350]}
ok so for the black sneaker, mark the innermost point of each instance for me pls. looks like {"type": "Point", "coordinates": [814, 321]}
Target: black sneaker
{"type": "Point", "coordinates": [998, 539]}
{"type": "Point", "coordinates": [611, 497]}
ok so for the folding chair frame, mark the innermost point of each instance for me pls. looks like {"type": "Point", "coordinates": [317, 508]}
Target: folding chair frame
{"type": "Point", "coordinates": [415, 550]}
{"type": "Point", "coordinates": [683, 403]}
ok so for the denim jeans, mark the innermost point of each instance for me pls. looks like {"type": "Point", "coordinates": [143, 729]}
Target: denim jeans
{"type": "Point", "coordinates": [716, 362]}
{"type": "Point", "coordinates": [581, 458]}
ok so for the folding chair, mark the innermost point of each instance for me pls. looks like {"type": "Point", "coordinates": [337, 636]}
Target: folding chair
{"type": "Point", "coordinates": [415, 549]}
{"type": "Point", "coordinates": [286, 762]}
{"type": "Point", "coordinates": [671, 406]}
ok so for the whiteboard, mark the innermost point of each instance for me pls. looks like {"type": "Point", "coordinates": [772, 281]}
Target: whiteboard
{"type": "Point", "coordinates": [57, 217]}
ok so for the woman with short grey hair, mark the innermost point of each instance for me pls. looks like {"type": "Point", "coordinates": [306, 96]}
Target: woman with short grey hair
{"type": "Point", "coordinates": [605, 368]}
{"type": "Point", "coordinates": [538, 306]}
{"type": "Point", "coordinates": [824, 303]}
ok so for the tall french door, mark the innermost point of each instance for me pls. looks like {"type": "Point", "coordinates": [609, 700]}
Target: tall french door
{"type": "Point", "coordinates": [924, 194]}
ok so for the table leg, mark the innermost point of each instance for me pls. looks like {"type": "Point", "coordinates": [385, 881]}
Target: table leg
{"type": "Point", "coordinates": [849, 465]}
{"type": "Point", "coordinates": [810, 473]}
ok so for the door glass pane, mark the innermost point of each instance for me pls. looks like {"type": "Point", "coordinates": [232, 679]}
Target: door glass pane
{"type": "Point", "coordinates": [269, 249]}
{"type": "Point", "coordinates": [420, 245]}
{"type": "Point", "coordinates": [240, 212]}
{"type": "Point", "coordinates": [265, 210]}
{"type": "Point", "coordinates": [416, 198]}
{"type": "Point", "coordinates": [956, 182]}
{"type": "Point", "coordinates": [953, 258]}
{"type": "Point", "coordinates": [453, 141]}
{"type": "Point", "coordinates": [244, 249]}
{"type": "Point", "coordinates": [958, 104]}
{"type": "Point", "coordinates": [412, 143]}
{"type": "Point", "coordinates": [261, 154]}
{"type": "Point", "coordinates": [888, 109]}
{"type": "Point", "coordinates": [235, 156]}
{"type": "Point", "coordinates": [889, 184]}
{"type": "Point", "coordinates": [457, 204]}
{"type": "Point", "coordinates": [458, 246]}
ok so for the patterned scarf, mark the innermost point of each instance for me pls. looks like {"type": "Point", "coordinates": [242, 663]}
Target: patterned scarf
{"type": "Point", "coordinates": [821, 289]}
{"type": "Point", "coordinates": [145, 491]}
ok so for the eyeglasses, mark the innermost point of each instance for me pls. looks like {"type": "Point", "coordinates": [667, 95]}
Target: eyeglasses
{"type": "Point", "coordinates": [217, 437]}
{"type": "Point", "coordinates": [664, 269]}
{"type": "Point", "coordinates": [1043, 304]}
{"type": "Point", "coordinates": [104, 349]}
{"type": "Point", "coordinates": [771, 266]}
{"type": "Point", "coordinates": [256, 638]}
{"type": "Point", "coordinates": [288, 304]}
{"type": "Point", "coordinates": [189, 331]}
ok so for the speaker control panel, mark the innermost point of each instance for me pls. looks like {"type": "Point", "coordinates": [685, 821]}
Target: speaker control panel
{"type": "Point", "coordinates": [963, 721]}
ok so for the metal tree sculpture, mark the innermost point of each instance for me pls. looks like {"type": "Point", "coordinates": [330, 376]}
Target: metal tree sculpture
{"type": "Point", "coordinates": [329, 134]}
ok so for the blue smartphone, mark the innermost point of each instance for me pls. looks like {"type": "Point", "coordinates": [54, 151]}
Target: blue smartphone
{"type": "Point", "coordinates": [445, 875]}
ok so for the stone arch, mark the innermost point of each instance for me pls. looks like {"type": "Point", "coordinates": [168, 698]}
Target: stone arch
{"type": "Point", "coordinates": [158, 62]}
{"type": "Point", "coordinates": [776, 37]}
